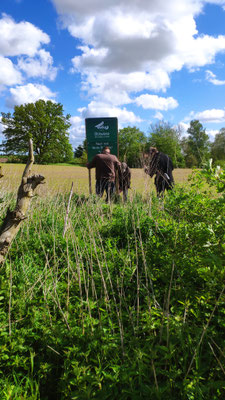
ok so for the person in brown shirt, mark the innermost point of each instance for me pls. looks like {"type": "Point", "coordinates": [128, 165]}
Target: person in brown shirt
{"type": "Point", "coordinates": [105, 165]}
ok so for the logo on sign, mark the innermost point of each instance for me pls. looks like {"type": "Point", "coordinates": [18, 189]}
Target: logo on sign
{"type": "Point", "coordinates": [101, 126]}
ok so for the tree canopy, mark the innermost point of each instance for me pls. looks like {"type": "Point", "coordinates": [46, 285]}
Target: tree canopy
{"type": "Point", "coordinates": [43, 122]}
{"type": "Point", "coordinates": [198, 142]}
{"type": "Point", "coordinates": [218, 146]}
{"type": "Point", "coordinates": [131, 145]}
{"type": "Point", "coordinates": [190, 159]}
{"type": "Point", "coordinates": [78, 152]}
{"type": "Point", "coordinates": [167, 140]}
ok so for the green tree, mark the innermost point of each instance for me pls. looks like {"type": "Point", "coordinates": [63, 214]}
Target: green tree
{"type": "Point", "coordinates": [79, 151]}
{"type": "Point", "coordinates": [190, 160]}
{"type": "Point", "coordinates": [131, 145]}
{"type": "Point", "coordinates": [198, 142]}
{"type": "Point", "coordinates": [218, 146]}
{"type": "Point", "coordinates": [45, 123]}
{"type": "Point", "coordinates": [167, 140]}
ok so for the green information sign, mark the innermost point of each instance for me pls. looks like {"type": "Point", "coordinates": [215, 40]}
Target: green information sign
{"type": "Point", "coordinates": [101, 132]}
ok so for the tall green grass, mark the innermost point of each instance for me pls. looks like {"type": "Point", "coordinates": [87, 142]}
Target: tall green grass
{"type": "Point", "coordinates": [128, 305]}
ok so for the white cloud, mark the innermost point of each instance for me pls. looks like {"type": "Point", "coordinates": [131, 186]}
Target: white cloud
{"type": "Point", "coordinates": [9, 74]}
{"type": "Point", "coordinates": [182, 128]}
{"type": "Point", "coordinates": [98, 109]}
{"type": "Point", "coordinates": [131, 46]}
{"type": "Point", "coordinates": [28, 94]}
{"type": "Point", "coordinates": [154, 102]}
{"type": "Point", "coordinates": [202, 50]}
{"type": "Point", "coordinates": [112, 84]}
{"type": "Point", "coordinates": [77, 131]}
{"type": "Point", "coordinates": [211, 77]}
{"type": "Point", "coordinates": [212, 133]}
{"type": "Point", "coordinates": [40, 66]}
{"type": "Point", "coordinates": [21, 55]}
{"type": "Point", "coordinates": [92, 7]}
{"type": "Point", "coordinates": [158, 115]}
{"type": "Point", "coordinates": [20, 38]}
{"type": "Point", "coordinates": [210, 116]}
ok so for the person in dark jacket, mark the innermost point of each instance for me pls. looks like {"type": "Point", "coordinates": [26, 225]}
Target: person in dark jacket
{"type": "Point", "coordinates": [161, 166]}
{"type": "Point", "coordinates": [105, 165]}
{"type": "Point", "coordinates": [124, 179]}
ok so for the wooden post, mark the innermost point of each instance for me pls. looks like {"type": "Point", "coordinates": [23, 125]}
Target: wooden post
{"type": "Point", "coordinates": [89, 177]}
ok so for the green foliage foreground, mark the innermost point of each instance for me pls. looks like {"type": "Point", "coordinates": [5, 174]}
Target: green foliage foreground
{"type": "Point", "coordinates": [129, 305]}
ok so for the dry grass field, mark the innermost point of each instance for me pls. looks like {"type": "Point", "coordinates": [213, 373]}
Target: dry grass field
{"type": "Point", "coordinates": [59, 178]}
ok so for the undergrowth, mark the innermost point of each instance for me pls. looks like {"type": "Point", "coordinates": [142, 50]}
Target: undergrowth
{"type": "Point", "coordinates": [128, 305]}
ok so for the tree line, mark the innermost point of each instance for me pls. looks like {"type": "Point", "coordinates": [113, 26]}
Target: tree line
{"type": "Point", "coordinates": [45, 123]}
{"type": "Point", "coordinates": [191, 150]}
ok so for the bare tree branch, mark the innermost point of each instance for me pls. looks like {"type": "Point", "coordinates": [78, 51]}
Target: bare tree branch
{"type": "Point", "coordinates": [13, 219]}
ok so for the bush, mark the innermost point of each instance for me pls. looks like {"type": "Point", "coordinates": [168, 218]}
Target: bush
{"type": "Point", "coordinates": [17, 159]}
{"type": "Point", "coordinates": [221, 163]}
{"type": "Point", "coordinates": [128, 305]}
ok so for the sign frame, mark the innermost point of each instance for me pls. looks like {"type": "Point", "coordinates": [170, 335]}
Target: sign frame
{"type": "Point", "coordinates": [101, 132]}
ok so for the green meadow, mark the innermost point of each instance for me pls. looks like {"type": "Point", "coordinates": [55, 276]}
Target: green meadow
{"type": "Point", "coordinates": [128, 304]}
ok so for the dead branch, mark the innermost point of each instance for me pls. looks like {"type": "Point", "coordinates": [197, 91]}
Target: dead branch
{"type": "Point", "coordinates": [13, 219]}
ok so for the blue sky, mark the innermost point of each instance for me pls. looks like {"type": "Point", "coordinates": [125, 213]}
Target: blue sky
{"type": "Point", "coordinates": [139, 60]}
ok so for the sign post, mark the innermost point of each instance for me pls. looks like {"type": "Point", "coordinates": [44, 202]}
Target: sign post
{"type": "Point", "coordinates": [101, 132]}
{"type": "Point", "coordinates": [89, 179]}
